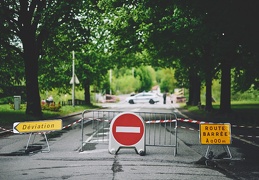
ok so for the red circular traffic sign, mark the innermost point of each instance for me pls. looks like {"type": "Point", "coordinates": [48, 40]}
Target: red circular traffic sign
{"type": "Point", "coordinates": [128, 129]}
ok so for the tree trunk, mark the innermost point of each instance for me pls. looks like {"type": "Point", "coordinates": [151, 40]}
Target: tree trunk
{"type": "Point", "coordinates": [31, 76]}
{"type": "Point", "coordinates": [225, 96]}
{"type": "Point", "coordinates": [87, 92]}
{"type": "Point", "coordinates": [191, 91]}
{"type": "Point", "coordinates": [194, 89]}
{"type": "Point", "coordinates": [208, 78]}
{"type": "Point", "coordinates": [197, 90]}
{"type": "Point", "coordinates": [208, 106]}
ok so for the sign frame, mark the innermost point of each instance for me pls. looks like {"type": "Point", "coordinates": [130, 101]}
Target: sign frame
{"type": "Point", "coordinates": [215, 134]}
{"type": "Point", "coordinates": [37, 126]}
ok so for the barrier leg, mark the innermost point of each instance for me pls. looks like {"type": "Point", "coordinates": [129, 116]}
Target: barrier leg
{"type": "Point", "coordinates": [28, 141]}
{"type": "Point", "coordinates": [209, 154]}
{"type": "Point", "coordinates": [47, 142]}
{"type": "Point", "coordinates": [27, 149]}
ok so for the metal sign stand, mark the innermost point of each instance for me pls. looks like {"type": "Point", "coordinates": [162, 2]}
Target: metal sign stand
{"type": "Point", "coordinates": [209, 154]}
{"type": "Point", "coordinates": [216, 134]}
{"type": "Point", "coordinates": [45, 138]}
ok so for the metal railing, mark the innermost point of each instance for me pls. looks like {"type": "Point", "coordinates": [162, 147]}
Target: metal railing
{"type": "Point", "coordinates": [160, 128]}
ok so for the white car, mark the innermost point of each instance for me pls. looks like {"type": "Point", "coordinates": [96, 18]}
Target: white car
{"type": "Point", "coordinates": [143, 97]}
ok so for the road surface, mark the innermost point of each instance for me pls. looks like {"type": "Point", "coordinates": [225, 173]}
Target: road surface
{"type": "Point", "coordinates": [66, 160]}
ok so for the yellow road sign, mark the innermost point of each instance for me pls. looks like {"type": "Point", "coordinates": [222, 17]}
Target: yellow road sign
{"type": "Point", "coordinates": [37, 126]}
{"type": "Point", "coordinates": [215, 133]}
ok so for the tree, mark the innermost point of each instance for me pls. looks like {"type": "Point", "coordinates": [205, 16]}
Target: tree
{"type": "Point", "coordinates": [201, 34]}
{"type": "Point", "coordinates": [227, 24]}
{"type": "Point", "coordinates": [168, 82]}
{"type": "Point", "coordinates": [28, 24]}
{"type": "Point", "coordinates": [11, 68]}
{"type": "Point", "coordinates": [144, 75]}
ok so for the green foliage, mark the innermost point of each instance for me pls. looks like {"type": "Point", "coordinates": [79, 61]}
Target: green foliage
{"type": "Point", "coordinates": [195, 36]}
{"type": "Point", "coordinates": [127, 80]}
{"type": "Point", "coordinates": [215, 92]}
{"type": "Point", "coordinates": [22, 106]}
{"type": "Point", "coordinates": [8, 116]}
{"type": "Point", "coordinates": [249, 95]}
{"type": "Point", "coordinates": [51, 106]}
{"type": "Point", "coordinates": [243, 113]}
{"type": "Point", "coordinates": [59, 97]}
{"type": "Point", "coordinates": [28, 25]}
{"type": "Point", "coordinates": [126, 84]}
{"type": "Point", "coordinates": [144, 75]}
{"type": "Point", "coordinates": [168, 82]}
{"type": "Point", "coordinates": [6, 100]}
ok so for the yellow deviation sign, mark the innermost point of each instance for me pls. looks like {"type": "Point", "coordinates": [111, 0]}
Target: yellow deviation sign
{"type": "Point", "coordinates": [37, 126]}
{"type": "Point", "coordinates": [215, 133]}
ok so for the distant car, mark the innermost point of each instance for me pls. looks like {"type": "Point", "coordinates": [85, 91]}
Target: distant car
{"type": "Point", "coordinates": [143, 97]}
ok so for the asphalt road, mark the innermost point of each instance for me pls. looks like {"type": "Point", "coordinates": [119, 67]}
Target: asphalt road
{"type": "Point", "coordinates": [244, 147]}
{"type": "Point", "coordinates": [66, 160]}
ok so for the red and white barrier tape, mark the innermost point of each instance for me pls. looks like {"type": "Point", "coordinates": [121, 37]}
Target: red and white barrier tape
{"type": "Point", "coordinates": [159, 121]}
{"type": "Point", "coordinates": [64, 127]}
{"type": "Point", "coordinates": [6, 130]}
{"type": "Point", "coordinates": [203, 122]}
{"type": "Point", "coordinates": [193, 121]}
{"type": "Point", "coordinates": [155, 121]}
{"type": "Point", "coordinates": [67, 126]}
{"type": "Point", "coordinates": [99, 119]}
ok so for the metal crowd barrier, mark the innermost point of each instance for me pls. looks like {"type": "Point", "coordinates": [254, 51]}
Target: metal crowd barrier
{"type": "Point", "coordinates": [160, 128]}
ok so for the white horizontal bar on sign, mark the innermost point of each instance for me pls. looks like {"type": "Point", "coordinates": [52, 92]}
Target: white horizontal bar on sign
{"type": "Point", "coordinates": [127, 129]}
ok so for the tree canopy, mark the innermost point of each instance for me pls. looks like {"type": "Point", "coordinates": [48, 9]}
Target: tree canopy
{"type": "Point", "coordinates": [202, 40]}
{"type": "Point", "coordinates": [26, 26]}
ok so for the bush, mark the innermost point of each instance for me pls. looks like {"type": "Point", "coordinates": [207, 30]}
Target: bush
{"type": "Point", "coordinates": [51, 106]}
{"type": "Point", "coordinates": [22, 106]}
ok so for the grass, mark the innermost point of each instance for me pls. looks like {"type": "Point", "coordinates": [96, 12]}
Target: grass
{"type": "Point", "coordinates": [8, 116]}
{"type": "Point", "coordinates": [243, 113]}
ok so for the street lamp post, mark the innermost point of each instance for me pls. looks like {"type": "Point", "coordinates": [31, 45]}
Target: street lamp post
{"type": "Point", "coordinates": [73, 79]}
{"type": "Point", "coordinates": [110, 81]}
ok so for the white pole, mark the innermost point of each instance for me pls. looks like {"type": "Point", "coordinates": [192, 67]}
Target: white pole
{"type": "Point", "coordinates": [110, 81]}
{"type": "Point", "coordinates": [73, 79]}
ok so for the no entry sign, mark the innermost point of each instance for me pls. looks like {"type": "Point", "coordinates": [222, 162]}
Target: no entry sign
{"type": "Point", "coordinates": [127, 130]}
